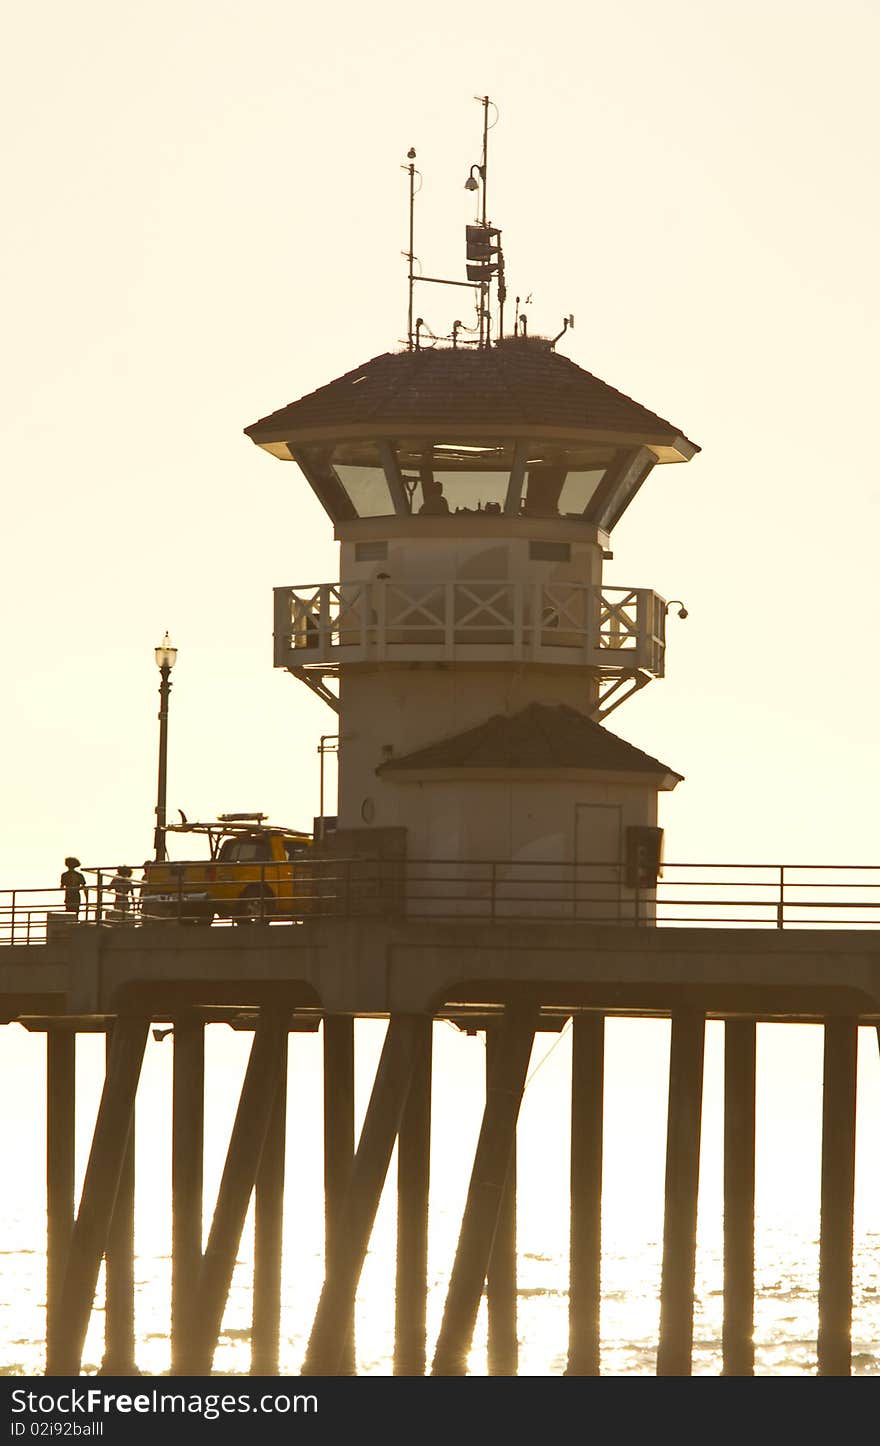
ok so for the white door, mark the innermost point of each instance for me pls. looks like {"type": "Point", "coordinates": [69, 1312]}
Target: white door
{"type": "Point", "coordinates": [597, 856]}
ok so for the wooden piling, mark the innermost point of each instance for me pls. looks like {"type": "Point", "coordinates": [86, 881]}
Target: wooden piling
{"type": "Point", "coordinates": [738, 1349]}
{"type": "Point", "coordinates": [338, 1032]}
{"type": "Point", "coordinates": [60, 1175]}
{"type": "Point", "coordinates": [413, 1180]}
{"type": "Point", "coordinates": [587, 1104]}
{"type": "Point", "coordinates": [486, 1189]}
{"type": "Point", "coordinates": [119, 1348]}
{"type": "Point", "coordinates": [91, 1230]}
{"type": "Point", "coordinates": [501, 1275]}
{"type": "Point", "coordinates": [838, 1194]}
{"type": "Point", "coordinates": [354, 1223]}
{"type": "Point", "coordinates": [237, 1183]}
{"type": "Point", "coordinates": [268, 1231]}
{"type": "Point", "coordinates": [187, 1167]}
{"type": "Point", "coordinates": [682, 1184]}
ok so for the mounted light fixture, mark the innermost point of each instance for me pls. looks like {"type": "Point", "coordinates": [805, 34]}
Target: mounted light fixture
{"type": "Point", "coordinates": [166, 653]}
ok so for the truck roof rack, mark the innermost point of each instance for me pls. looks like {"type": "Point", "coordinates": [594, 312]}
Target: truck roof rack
{"type": "Point", "coordinates": [238, 824]}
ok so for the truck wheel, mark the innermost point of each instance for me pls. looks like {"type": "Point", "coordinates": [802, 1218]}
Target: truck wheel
{"type": "Point", "coordinates": [253, 905]}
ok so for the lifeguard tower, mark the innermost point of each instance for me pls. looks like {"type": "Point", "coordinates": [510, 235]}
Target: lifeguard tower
{"type": "Point", "coordinates": [470, 645]}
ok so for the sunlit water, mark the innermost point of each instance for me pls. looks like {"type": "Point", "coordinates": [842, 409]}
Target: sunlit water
{"type": "Point", "coordinates": [636, 1056]}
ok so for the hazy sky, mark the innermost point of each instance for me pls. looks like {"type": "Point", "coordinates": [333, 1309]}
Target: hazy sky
{"type": "Point", "coordinates": [204, 219]}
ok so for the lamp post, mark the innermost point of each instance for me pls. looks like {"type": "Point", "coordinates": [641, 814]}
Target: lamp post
{"type": "Point", "coordinates": [166, 656]}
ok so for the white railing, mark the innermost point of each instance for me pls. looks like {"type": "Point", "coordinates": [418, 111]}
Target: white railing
{"type": "Point", "coordinates": [612, 628]}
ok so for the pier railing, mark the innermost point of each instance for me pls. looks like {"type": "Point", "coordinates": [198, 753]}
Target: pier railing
{"type": "Point", "coordinates": [688, 895]}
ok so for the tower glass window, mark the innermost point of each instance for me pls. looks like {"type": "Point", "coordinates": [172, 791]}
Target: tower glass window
{"type": "Point", "coordinates": [431, 475]}
{"type": "Point", "coordinates": [448, 476]}
{"type": "Point", "coordinates": [351, 475]}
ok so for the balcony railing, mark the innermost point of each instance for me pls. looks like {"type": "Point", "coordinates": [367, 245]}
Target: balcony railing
{"type": "Point", "coordinates": [484, 891]}
{"type": "Point", "coordinates": [613, 629]}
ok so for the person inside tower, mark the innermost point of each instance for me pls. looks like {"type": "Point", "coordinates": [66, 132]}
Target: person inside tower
{"type": "Point", "coordinates": [542, 492]}
{"type": "Point", "coordinates": [432, 493]}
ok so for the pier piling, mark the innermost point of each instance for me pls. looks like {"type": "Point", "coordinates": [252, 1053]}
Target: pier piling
{"type": "Point", "coordinates": [834, 1346]}
{"type": "Point", "coordinates": [60, 1176]}
{"type": "Point", "coordinates": [682, 1184]}
{"type": "Point", "coordinates": [485, 1192]}
{"type": "Point", "coordinates": [587, 1103]}
{"type": "Point", "coordinates": [413, 1181]}
{"type": "Point", "coordinates": [737, 1344]}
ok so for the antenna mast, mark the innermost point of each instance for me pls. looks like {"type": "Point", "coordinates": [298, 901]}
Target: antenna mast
{"type": "Point", "coordinates": [484, 254]}
{"type": "Point", "coordinates": [410, 254]}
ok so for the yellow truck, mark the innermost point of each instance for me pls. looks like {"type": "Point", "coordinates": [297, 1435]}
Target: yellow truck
{"type": "Point", "coordinates": [250, 875]}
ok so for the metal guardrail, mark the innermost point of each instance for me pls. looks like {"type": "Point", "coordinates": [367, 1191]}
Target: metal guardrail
{"type": "Point", "coordinates": [767, 896]}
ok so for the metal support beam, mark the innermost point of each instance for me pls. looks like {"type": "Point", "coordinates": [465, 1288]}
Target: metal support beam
{"type": "Point", "coordinates": [503, 1343]}
{"type": "Point", "coordinates": [239, 1177]}
{"type": "Point", "coordinates": [413, 1179]}
{"type": "Point", "coordinates": [326, 1349]}
{"type": "Point", "coordinates": [737, 1342]}
{"type": "Point", "coordinates": [268, 1230]}
{"type": "Point", "coordinates": [587, 1104]}
{"type": "Point", "coordinates": [91, 1231]}
{"type": "Point", "coordinates": [119, 1265]}
{"type": "Point", "coordinates": [187, 1161]}
{"type": "Point", "coordinates": [838, 1194]}
{"type": "Point", "coordinates": [682, 1183]}
{"type": "Point", "coordinates": [315, 681]}
{"type": "Point", "coordinates": [60, 1175]}
{"type": "Point", "coordinates": [338, 1147]}
{"type": "Point", "coordinates": [486, 1189]}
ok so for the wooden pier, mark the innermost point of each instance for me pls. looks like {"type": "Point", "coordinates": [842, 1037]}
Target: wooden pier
{"type": "Point", "coordinates": [507, 980]}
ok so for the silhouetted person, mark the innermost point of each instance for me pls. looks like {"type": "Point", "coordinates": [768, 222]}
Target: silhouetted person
{"type": "Point", "coordinates": [542, 492]}
{"type": "Point", "coordinates": [72, 882]}
{"type": "Point", "coordinates": [432, 492]}
{"type": "Point", "coordinates": [122, 885]}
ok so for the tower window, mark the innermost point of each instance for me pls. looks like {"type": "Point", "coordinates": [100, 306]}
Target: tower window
{"type": "Point", "coordinates": [550, 551]}
{"type": "Point", "coordinates": [371, 552]}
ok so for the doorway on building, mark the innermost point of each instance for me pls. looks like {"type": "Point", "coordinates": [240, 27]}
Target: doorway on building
{"type": "Point", "coordinates": [598, 832]}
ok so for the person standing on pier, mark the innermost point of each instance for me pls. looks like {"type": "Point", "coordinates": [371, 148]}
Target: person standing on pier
{"type": "Point", "coordinates": [72, 882]}
{"type": "Point", "coordinates": [123, 888]}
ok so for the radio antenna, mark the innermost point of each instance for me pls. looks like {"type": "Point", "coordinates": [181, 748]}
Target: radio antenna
{"type": "Point", "coordinates": [410, 254]}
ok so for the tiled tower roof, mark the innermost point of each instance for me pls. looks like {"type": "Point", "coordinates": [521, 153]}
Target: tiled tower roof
{"type": "Point", "coordinates": [518, 383]}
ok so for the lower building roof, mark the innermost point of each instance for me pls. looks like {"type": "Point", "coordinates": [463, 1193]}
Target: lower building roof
{"type": "Point", "coordinates": [540, 737]}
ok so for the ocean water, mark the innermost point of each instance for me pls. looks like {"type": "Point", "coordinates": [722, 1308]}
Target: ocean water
{"type": "Point", "coordinates": [789, 1100]}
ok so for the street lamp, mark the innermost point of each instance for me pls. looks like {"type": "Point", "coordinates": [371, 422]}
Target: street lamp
{"type": "Point", "coordinates": [166, 656]}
